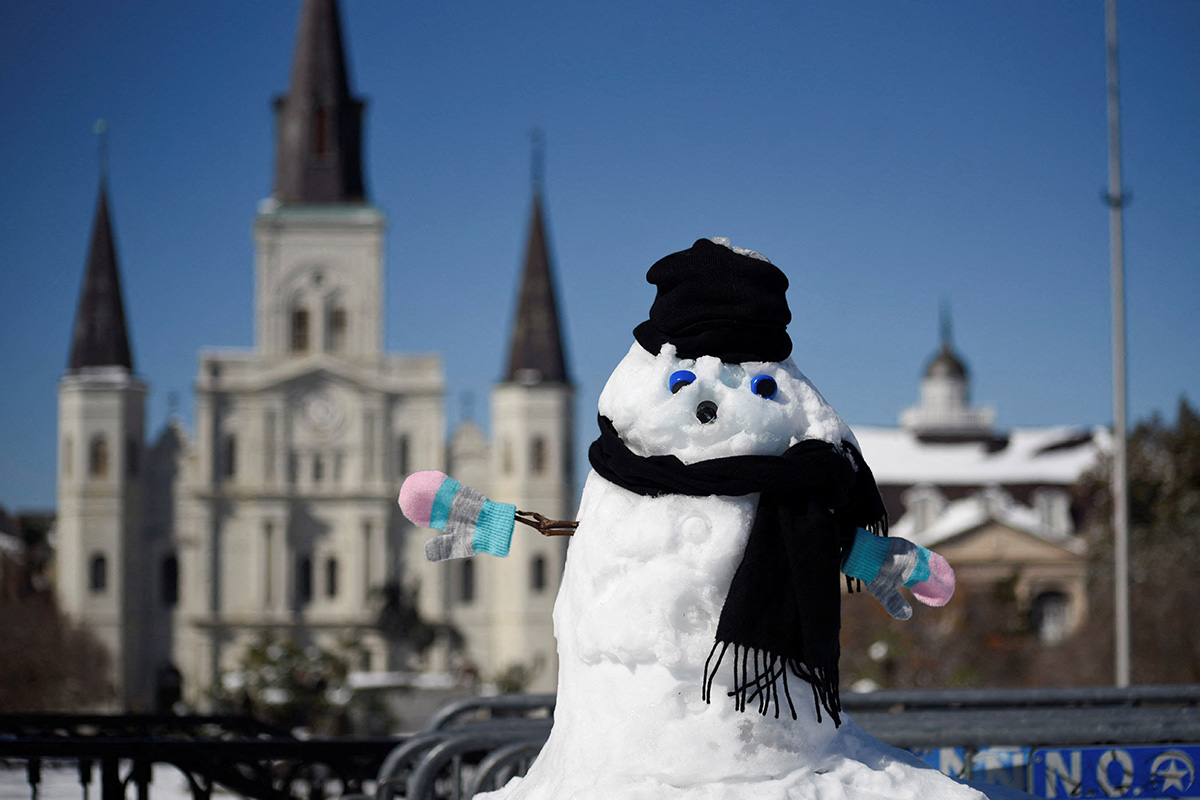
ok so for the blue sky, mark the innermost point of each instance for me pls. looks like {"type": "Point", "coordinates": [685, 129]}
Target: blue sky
{"type": "Point", "coordinates": [885, 154]}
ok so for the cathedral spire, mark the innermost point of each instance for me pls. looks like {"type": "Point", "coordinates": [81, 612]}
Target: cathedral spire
{"type": "Point", "coordinates": [318, 149]}
{"type": "Point", "coordinates": [535, 352]}
{"type": "Point", "coordinates": [100, 337]}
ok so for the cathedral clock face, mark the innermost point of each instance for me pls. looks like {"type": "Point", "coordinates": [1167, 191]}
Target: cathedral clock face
{"type": "Point", "coordinates": [323, 412]}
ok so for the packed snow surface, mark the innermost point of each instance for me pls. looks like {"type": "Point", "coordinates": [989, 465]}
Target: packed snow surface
{"type": "Point", "coordinates": [636, 615]}
{"type": "Point", "coordinates": [654, 421]}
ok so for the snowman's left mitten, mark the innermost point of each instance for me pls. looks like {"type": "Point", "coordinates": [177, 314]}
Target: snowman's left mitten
{"type": "Point", "coordinates": [472, 523]}
{"type": "Point", "coordinates": [885, 564]}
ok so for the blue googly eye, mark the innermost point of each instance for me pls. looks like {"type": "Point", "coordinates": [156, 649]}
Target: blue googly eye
{"type": "Point", "coordinates": [680, 378]}
{"type": "Point", "coordinates": [764, 386]}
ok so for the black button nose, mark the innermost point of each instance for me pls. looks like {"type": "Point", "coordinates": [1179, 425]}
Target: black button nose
{"type": "Point", "coordinates": [706, 411]}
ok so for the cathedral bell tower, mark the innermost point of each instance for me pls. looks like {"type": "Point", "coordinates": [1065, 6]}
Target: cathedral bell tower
{"type": "Point", "coordinates": [532, 464]}
{"type": "Point", "coordinates": [101, 455]}
{"type": "Point", "coordinates": [319, 243]}
{"type": "Point", "coordinates": [290, 526]}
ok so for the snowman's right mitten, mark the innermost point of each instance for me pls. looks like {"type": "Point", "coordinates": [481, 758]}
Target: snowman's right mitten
{"type": "Point", "coordinates": [885, 564]}
{"type": "Point", "coordinates": [472, 523]}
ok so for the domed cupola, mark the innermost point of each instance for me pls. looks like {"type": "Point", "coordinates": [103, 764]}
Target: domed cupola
{"type": "Point", "coordinates": [946, 364]}
{"type": "Point", "coordinates": [945, 412]}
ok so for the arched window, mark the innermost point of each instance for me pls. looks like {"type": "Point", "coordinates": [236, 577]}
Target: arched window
{"type": "Point", "coordinates": [369, 466]}
{"type": "Point", "coordinates": [168, 688]}
{"type": "Point", "coordinates": [403, 455]}
{"type": "Point", "coordinates": [318, 468]}
{"type": "Point", "coordinates": [466, 592]}
{"type": "Point", "coordinates": [269, 455]}
{"type": "Point", "coordinates": [229, 456]}
{"type": "Point", "coordinates": [304, 581]}
{"type": "Point", "coordinates": [98, 456]}
{"type": "Point", "coordinates": [335, 326]}
{"type": "Point", "coordinates": [925, 503]}
{"type": "Point", "coordinates": [1054, 510]}
{"type": "Point", "coordinates": [169, 581]}
{"type": "Point", "coordinates": [268, 575]}
{"type": "Point", "coordinates": [537, 455]}
{"type": "Point", "coordinates": [1052, 616]}
{"type": "Point", "coordinates": [331, 577]}
{"type": "Point", "coordinates": [537, 574]}
{"type": "Point", "coordinates": [368, 535]}
{"type": "Point", "coordinates": [299, 330]}
{"type": "Point", "coordinates": [98, 574]}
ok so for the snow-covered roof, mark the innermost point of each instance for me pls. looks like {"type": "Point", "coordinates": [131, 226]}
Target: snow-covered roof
{"type": "Point", "coordinates": [1052, 455]}
{"type": "Point", "coordinates": [971, 512]}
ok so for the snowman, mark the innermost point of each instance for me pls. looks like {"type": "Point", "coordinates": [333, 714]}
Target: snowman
{"type": "Point", "coordinates": [698, 616]}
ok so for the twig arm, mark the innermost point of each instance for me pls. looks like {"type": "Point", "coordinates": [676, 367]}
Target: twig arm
{"type": "Point", "coordinates": [546, 526]}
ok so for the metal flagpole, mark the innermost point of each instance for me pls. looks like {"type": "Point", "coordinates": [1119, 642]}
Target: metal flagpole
{"type": "Point", "coordinates": [1116, 200]}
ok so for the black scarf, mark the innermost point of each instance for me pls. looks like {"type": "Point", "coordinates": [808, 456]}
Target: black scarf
{"type": "Point", "coordinates": [783, 611]}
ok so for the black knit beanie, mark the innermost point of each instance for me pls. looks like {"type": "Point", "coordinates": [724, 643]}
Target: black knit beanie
{"type": "Point", "coordinates": [713, 301]}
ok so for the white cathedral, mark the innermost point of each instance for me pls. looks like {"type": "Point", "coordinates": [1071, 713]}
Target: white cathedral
{"type": "Point", "coordinates": [277, 515]}
{"type": "Point", "coordinates": [277, 512]}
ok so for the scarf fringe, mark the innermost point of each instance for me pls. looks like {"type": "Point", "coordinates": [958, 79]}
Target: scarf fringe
{"type": "Point", "coordinates": [760, 683]}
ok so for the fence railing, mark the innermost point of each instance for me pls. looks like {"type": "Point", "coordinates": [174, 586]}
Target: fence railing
{"type": "Point", "coordinates": [478, 743]}
{"type": "Point", "coordinates": [1029, 717]}
{"type": "Point", "coordinates": [239, 753]}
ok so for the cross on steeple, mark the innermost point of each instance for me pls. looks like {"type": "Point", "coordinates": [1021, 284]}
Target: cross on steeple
{"type": "Point", "coordinates": [537, 172]}
{"type": "Point", "coordinates": [536, 353]}
{"type": "Point", "coordinates": [100, 128]}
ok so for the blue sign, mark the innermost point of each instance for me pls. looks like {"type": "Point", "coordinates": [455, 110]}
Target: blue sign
{"type": "Point", "coordinates": [1007, 766]}
{"type": "Point", "coordinates": [1147, 773]}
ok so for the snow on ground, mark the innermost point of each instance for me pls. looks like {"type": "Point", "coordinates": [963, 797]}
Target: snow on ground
{"type": "Point", "coordinates": [60, 781]}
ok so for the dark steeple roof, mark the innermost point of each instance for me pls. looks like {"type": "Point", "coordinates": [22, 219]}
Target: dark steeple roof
{"type": "Point", "coordinates": [946, 363]}
{"type": "Point", "coordinates": [100, 338]}
{"type": "Point", "coordinates": [318, 124]}
{"type": "Point", "coordinates": [535, 354]}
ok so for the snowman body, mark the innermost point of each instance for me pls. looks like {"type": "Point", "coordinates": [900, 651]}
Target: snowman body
{"type": "Point", "coordinates": [635, 618]}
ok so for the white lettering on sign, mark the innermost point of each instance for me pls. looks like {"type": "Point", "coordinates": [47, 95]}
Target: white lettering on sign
{"type": "Point", "coordinates": [1057, 769]}
{"type": "Point", "coordinates": [1126, 763]}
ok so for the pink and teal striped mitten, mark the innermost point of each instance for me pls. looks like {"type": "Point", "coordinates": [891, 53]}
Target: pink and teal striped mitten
{"type": "Point", "coordinates": [472, 523]}
{"type": "Point", "coordinates": [885, 564]}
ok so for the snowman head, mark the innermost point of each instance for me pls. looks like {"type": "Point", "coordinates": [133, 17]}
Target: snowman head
{"type": "Point", "coordinates": [711, 373]}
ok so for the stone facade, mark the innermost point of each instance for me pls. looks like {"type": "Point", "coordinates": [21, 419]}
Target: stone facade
{"type": "Point", "coordinates": [277, 512]}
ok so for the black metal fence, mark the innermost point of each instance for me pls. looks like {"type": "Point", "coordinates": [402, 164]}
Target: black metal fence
{"type": "Point", "coordinates": [479, 743]}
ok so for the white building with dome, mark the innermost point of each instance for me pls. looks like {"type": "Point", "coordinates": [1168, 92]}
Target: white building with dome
{"type": "Point", "coordinates": [996, 503]}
